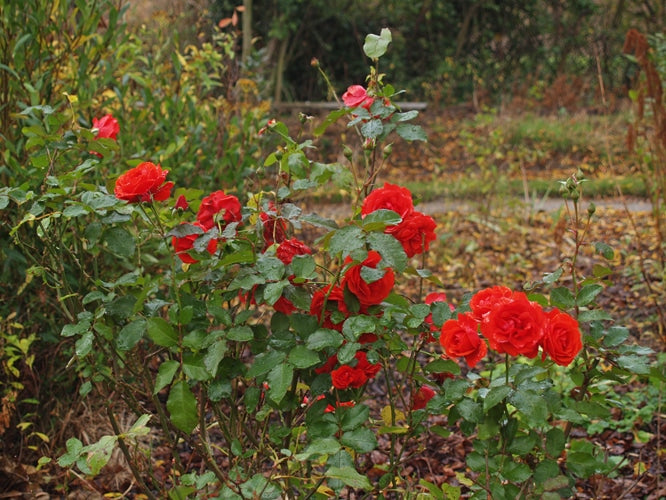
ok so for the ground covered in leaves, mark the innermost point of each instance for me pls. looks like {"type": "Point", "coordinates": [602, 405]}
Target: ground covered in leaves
{"type": "Point", "coordinates": [484, 240]}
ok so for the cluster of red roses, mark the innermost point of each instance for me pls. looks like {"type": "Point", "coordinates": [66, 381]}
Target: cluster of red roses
{"type": "Point", "coordinates": [512, 324]}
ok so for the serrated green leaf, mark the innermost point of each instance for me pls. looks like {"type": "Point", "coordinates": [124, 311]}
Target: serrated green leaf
{"type": "Point", "coordinates": [390, 249]}
{"type": "Point", "coordinates": [372, 128]}
{"type": "Point", "coordinates": [562, 298]}
{"type": "Point", "coordinates": [322, 446]}
{"type": "Point", "coordinates": [555, 442]}
{"type": "Point", "coordinates": [594, 315]}
{"type": "Point", "coordinates": [410, 132]}
{"type": "Point", "coordinates": [323, 338]}
{"type": "Point", "coordinates": [279, 380]}
{"type": "Point", "coordinates": [348, 476]}
{"type": "Point", "coordinates": [302, 357]}
{"type": "Point", "coordinates": [165, 374]}
{"type": "Point", "coordinates": [265, 362]}
{"type": "Point", "coordinates": [587, 294]}
{"type": "Point", "coordinates": [130, 335]}
{"type": "Point", "coordinates": [182, 407]}
{"type": "Point", "coordinates": [361, 440]}
{"type": "Point", "coordinates": [162, 332]}
{"type": "Point", "coordinates": [494, 396]}
{"type": "Point", "coordinates": [120, 242]}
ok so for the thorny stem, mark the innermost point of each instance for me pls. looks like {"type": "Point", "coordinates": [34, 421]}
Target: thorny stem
{"type": "Point", "coordinates": [128, 457]}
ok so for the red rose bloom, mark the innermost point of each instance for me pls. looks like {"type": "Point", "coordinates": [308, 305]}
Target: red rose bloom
{"type": "Point", "coordinates": [284, 305]}
{"type": "Point", "coordinates": [483, 301]}
{"type": "Point", "coordinates": [460, 338]}
{"type": "Point", "coordinates": [421, 398]}
{"type": "Point", "coordinates": [346, 377]}
{"type": "Point", "coordinates": [181, 203]}
{"type": "Point", "coordinates": [219, 202]}
{"type": "Point", "coordinates": [107, 127]}
{"type": "Point", "coordinates": [355, 96]}
{"type": "Point", "coordinates": [515, 326]}
{"type": "Point", "coordinates": [389, 197]}
{"type": "Point", "coordinates": [275, 228]}
{"type": "Point", "coordinates": [321, 304]}
{"type": "Point", "coordinates": [414, 233]}
{"type": "Point", "coordinates": [143, 183]}
{"type": "Point", "coordinates": [369, 369]}
{"type": "Point", "coordinates": [341, 404]}
{"type": "Point", "coordinates": [369, 293]}
{"type": "Point", "coordinates": [184, 244]}
{"type": "Point", "coordinates": [288, 249]}
{"type": "Point", "coordinates": [561, 340]}
{"type": "Point", "coordinates": [328, 366]}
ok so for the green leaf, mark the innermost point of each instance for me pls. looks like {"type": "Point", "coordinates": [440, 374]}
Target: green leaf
{"type": "Point", "coordinates": [240, 333]}
{"type": "Point", "coordinates": [161, 332]}
{"type": "Point", "coordinates": [604, 249]}
{"type": "Point", "coordinates": [555, 442]}
{"type": "Point", "coordinates": [348, 476]}
{"type": "Point", "coordinates": [193, 367]}
{"type": "Point", "coordinates": [634, 364]}
{"type": "Point", "coordinates": [411, 132]}
{"type": "Point", "coordinates": [120, 242]}
{"type": "Point", "coordinates": [615, 336]}
{"type": "Point", "coordinates": [302, 357]}
{"type": "Point", "coordinates": [265, 362]}
{"type": "Point", "coordinates": [587, 294]}
{"type": "Point", "coordinates": [562, 298]}
{"type": "Point", "coordinates": [182, 407]}
{"type": "Point", "coordinates": [322, 446]}
{"type": "Point", "coordinates": [214, 356]}
{"type": "Point", "coordinates": [375, 46]}
{"type": "Point", "coordinates": [279, 380]}
{"type": "Point", "coordinates": [495, 396]}
{"type": "Point", "coordinates": [361, 440]}
{"type": "Point", "coordinates": [346, 240]}
{"type": "Point", "coordinates": [84, 344]}
{"type": "Point", "coordinates": [390, 249]}
{"type": "Point", "coordinates": [379, 219]}
{"type": "Point", "coordinates": [165, 374]}
{"type": "Point", "coordinates": [353, 417]}
{"type": "Point", "coordinates": [347, 352]}
{"type": "Point", "coordinates": [130, 335]}
{"type": "Point", "coordinates": [594, 315]}
{"type": "Point", "coordinates": [323, 338]}
{"type": "Point", "coordinates": [406, 116]}
{"type": "Point", "coordinates": [99, 453]}
{"type": "Point", "coordinates": [355, 326]}
{"type": "Point", "coordinates": [372, 128]}
{"type": "Point", "coordinates": [516, 472]}
{"type": "Point", "coordinates": [330, 119]}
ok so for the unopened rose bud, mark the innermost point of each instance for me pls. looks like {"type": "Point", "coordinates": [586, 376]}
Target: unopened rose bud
{"type": "Point", "coordinates": [388, 149]}
{"type": "Point", "coordinates": [347, 152]}
{"type": "Point", "coordinates": [591, 208]}
{"type": "Point", "coordinates": [314, 62]}
{"type": "Point", "coordinates": [369, 143]}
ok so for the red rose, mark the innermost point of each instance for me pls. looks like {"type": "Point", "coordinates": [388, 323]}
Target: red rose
{"type": "Point", "coordinates": [346, 377]}
{"type": "Point", "coordinates": [369, 293]}
{"type": "Point", "coordinates": [184, 244]}
{"type": "Point", "coordinates": [324, 303]}
{"type": "Point", "coordinates": [389, 197]}
{"type": "Point", "coordinates": [369, 369]}
{"type": "Point", "coordinates": [460, 339]}
{"type": "Point", "coordinates": [181, 203]}
{"type": "Point", "coordinates": [219, 202]}
{"type": "Point", "coordinates": [143, 183]}
{"type": "Point", "coordinates": [515, 326]}
{"type": "Point", "coordinates": [355, 96]}
{"type": "Point", "coordinates": [328, 366]}
{"type": "Point", "coordinates": [107, 127]}
{"type": "Point", "coordinates": [341, 404]}
{"type": "Point", "coordinates": [275, 228]}
{"type": "Point", "coordinates": [284, 305]}
{"type": "Point", "coordinates": [421, 398]}
{"type": "Point", "coordinates": [415, 233]}
{"type": "Point", "coordinates": [288, 249]}
{"type": "Point", "coordinates": [561, 340]}
{"type": "Point", "coordinates": [483, 301]}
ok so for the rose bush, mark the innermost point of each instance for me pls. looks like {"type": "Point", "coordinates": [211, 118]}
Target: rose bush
{"type": "Point", "coordinates": [280, 364]}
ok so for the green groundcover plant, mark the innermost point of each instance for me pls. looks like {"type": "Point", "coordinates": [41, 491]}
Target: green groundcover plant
{"type": "Point", "coordinates": [271, 367]}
